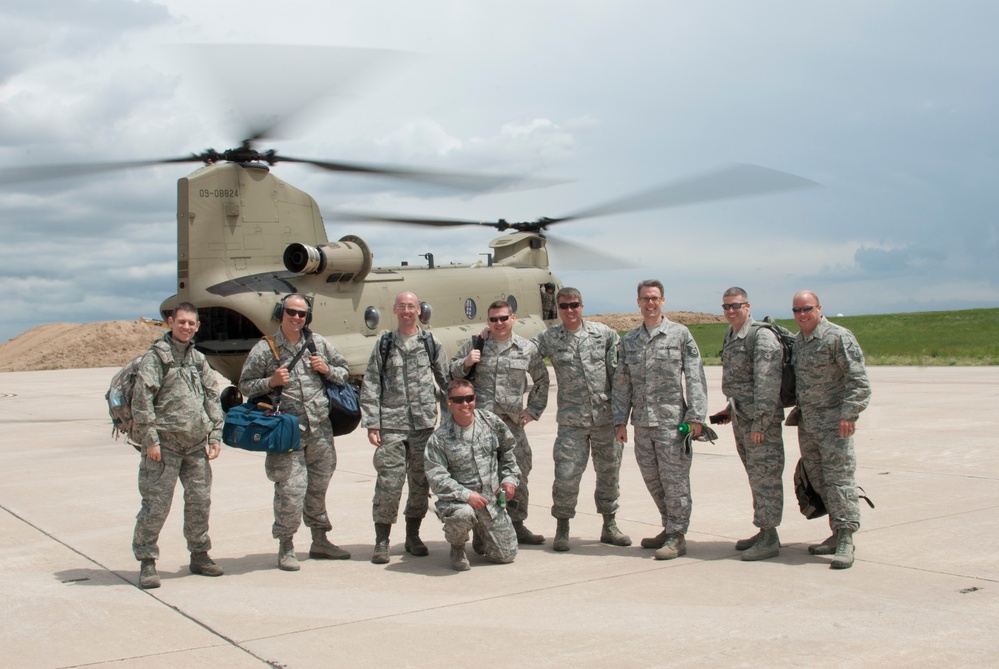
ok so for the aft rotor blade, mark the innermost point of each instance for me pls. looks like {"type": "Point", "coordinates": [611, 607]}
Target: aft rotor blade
{"type": "Point", "coordinates": [735, 181]}
{"type": "Point", "coordinates": [344, 215]}
{"type": "Point", "coordinates": [571, 256]}
{"type": "Point", "coordinates": [456, 180]}
{"type": "Point", "coordinates": [13, 175]}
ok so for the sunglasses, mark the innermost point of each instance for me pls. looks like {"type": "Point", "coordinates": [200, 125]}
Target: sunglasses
{"type": "Point", "coordinates": [802, 310]}
{"type": "Point", "coordinates": [499, 319]}
{"type": "Point", "coordinates": [461, 399]}
{"type": "Point", "coordinates": [569, 305]}
{"type": "Point", "coordinates": [735, 306]}
{"type": "Point", "coordinates": [296, 312]}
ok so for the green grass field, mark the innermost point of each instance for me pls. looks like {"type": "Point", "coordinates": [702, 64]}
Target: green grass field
{"type": "Point", "coordinates": [969, 337]}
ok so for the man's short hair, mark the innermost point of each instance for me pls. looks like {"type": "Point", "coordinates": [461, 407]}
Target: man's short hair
{"type": "Point", "coordinates": [500, 304]}
{"type": "Point", "coordinates": [568, 293]}
{"type": "Point", "coordinates": [186, 307]}
{"type": "Point", "coordinates": [459, 383]}
{"type": "Point", "coordinates": [735, 291]}
{"type": "Point", "coordinates": [651, 283]}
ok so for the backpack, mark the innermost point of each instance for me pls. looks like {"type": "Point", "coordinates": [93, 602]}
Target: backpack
{"type": "Point", "coordinates": [786, 338]}
{"type": "Point", "coordinates": [119, 398]}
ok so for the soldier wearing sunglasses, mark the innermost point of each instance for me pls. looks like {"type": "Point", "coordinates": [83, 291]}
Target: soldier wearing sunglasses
{"type": "Point", "coordinates": [584, 356]}
{"type": "Point", "coordinates": [832, 390]}
{"type": "Point", "coordinates": [499, 375]}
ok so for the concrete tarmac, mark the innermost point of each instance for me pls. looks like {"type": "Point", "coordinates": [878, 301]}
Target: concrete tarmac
{"type": "Point", "coordinates": [924, 590]}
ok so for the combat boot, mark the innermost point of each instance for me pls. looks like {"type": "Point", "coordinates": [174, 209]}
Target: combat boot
{"type": "Point", "coordinates": [767, 546]}
{"type": "Point", "coordinates": [459, 561]}
{"type": "Point", "coordinates": [561, 542]}
{"type": "Point", "coordinates": [525, 536]}
{"type": "Point", "coordinates": [204, 565]}
{"type": "Point", "coordinates": [414, 544]}
{"type": "Point", "coordinates": [286, 556]}
{"type": "Point", "coordinates": [148, 578]}
{"type": "Point", "coordinates": [675, 546]}
{"type": "Point", "coordinates": [324, 549]}
{"type": "Point", "coordinates": [844, 550]}
{"type": "Point", "coordinates": [744, 544]}
{"type": "Point", "coordinates": [827, 547]}
{"type": "Point", "coordinates": [611, 535]}
{"type": "Point", "coordinates": [656, 541]}
{"type": "Point", "coordinates": [478, 544]}
{"type": "Point", "coordinates": [381, 554]}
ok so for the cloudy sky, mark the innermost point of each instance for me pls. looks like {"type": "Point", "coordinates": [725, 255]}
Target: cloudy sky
{"type": "Point", "coordinates": [890, 106]}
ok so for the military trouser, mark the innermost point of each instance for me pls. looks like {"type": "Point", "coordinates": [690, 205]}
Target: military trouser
{"type": "Point", "coordinates": [831, 465]}
{"type": "Point", "coordinates": [764, 465]}
{"type": "Point", "coordinates": [157, 481]}
{"type": "Point", "coordinates": [400, 459]}
{"type": "Point", "coordinates": [664, 461]}
{"type": "Point", "coordinates": [518, 506]}
{"type": "Point", "coordinates": [498, 536]}
{"type": "Point", "coordinates": [571, 451]}
{"type": "Point", "coordinates": [301, 480]}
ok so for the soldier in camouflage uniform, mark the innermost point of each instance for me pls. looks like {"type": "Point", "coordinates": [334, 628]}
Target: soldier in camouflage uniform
{"type": "Point", "coordinates": [176, 410]}
{"type": "Point", "coordinates": [301, 479]}
{"type": "Point", "coordinates": [655, 360]}
{"type": "Point", "coordinates": [832, 390]}
{"type": "Point", "coordinates": [500, 373]}
{"type": "Point", "coordinates": [469, 459]}
{"type": "Point", "coordinates": [752, 365]}
{"type": "Point", "coordinates": [584, 356]}
{"type": "Point", "coordinates": [399, 409]}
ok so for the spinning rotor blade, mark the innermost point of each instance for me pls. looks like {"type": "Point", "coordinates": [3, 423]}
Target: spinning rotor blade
{"type": "Point", "coordinates": [579, 257]}
{"type": "Point", "coordinates": [344, 215]}
{"type": "Point", "coordinates": [14, 175]}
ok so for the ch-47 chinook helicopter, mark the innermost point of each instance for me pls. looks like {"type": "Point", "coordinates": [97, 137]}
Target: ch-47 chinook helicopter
{"type": "Point", "coordinates": [245, 238]}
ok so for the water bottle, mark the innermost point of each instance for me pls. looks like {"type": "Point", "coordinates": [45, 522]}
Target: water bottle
{"type": "Point", "coordinates": [683, 428]}
{"type": "Point", "coordinates": [501, 498]}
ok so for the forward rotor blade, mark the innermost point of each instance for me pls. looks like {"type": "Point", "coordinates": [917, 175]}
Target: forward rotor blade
{"type": "Point", "coordinates": [14, 175]}
{"type": "Point", "coordinates": [455, 180]}
{"type": "Point", "coordinates": [735, 181]}
{"type": "Point", "coordinates": [571, 256]}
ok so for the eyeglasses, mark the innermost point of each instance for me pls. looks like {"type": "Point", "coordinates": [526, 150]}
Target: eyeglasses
{"type": "Point", "coordinates": [461, 399]}
{"type": "Point", "coordinates": [295, 312]}
{"type": "Point", "coordinates": [803, 310]}
{"type": "Point", "coordinates": [735, 306]}
{"type": "Point", "coordinates": [569, 305]}
{"type": "Point", "coordinates": [499, 319]}
{"type": "Point", "coordinates": [649, 299]}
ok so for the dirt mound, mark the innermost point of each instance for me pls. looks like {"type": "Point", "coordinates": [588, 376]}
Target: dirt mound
{"type": "Point", "coordinates": [77, 346]}
{"type": "Point", "coordinates": [631, 321]}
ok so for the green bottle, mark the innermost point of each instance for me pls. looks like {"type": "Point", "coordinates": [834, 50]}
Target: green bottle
{"type": "Point", "coordinates": [501, 498]}
{"type": "Point", "coordinates": [683, 428]}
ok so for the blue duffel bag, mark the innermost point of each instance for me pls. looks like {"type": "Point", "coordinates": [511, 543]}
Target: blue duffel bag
{"type": "Point", "coordinates": [254, 429]}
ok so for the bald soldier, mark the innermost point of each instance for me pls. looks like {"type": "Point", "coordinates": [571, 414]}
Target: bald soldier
{"type": "Point", "coordinates": [832, 390]}
{"type": "Point", "coordinates": [399, 400]}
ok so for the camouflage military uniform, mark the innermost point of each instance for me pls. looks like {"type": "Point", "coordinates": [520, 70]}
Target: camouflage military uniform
{"type": "Point", "coordinates": [584, 365]}
{"type": "Point", "coordinates": [175, 405]}
{"type": "Point", "coordinates": [500, 383]}
{"type": "Point", "coordinates": [460, 461]}
{"type": "Point", "coordinates": [302, 478]}
{"type": "Point", "coordinates": [401, 402]}
{"type": "Point", "coordinates": [751, 382]}
{"type": "Point", "coordinates": [832, 385]}
{"type": "Point", "coordinates": [648, 386]}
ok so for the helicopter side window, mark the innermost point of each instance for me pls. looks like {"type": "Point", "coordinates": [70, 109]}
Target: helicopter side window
{"type": "Point", "coordinates": [426, 312]}
{"type": "Point", "coordinates": [513, 303]}
{"type": "Point", "coordinates": [470, 309]}
{"type": "Point", "coordinates": [372, 317]}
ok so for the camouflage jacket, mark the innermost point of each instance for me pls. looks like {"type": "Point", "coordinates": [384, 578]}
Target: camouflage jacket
{"type": "Point", "coordinates": [584, 367]}
{"type": "Point", "coordinates": [403, 396]}
{"type": "Point", "coordinates": [829, 371]}
{"type": "Point", "coordinates": [305, 394]}
{"type": "Point", "coordinates": [753, 384]}
{"type": "Point", "coordinates": [175, 402]}
{"type": "Point", "coordinates": [501, 377]}
{"type": "Point", "coordinates": [648, 383]}
{"type": "Point", "coordinates": [457, 467]}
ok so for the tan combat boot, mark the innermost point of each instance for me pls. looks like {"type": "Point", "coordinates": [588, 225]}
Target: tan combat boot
{"type": "Point", "coordinates": [561, 542]}
{"type": "Point", "coordinates": [611, 535]}
{"type": "Point", "coordinates": [286, 556]}
{"type": "Point", "coordinates": [459, 561]}
{"type": "Point", "coordinates": [827, 547]}
{"type": "Point", "coordinates": [324, 549]}
{"type": "Point", "coordinates": [414, 544]}
{"type": "Point", "coordinates": [525, 536]}
{"type": "Point", "coordinates": [675, 546]}
{"type": "Point", "coordinates": [743, 544]}
{"type": "Point", "coordinates": [843, 559]}
{"type": "Point", "coordinates": [767, 546]}
{"type": "Point", "coordinates": [204, 565]}
{"type": "Point", "coordinates": [148, 578]}
{"type": "Point", "coordinates": [381, 553]}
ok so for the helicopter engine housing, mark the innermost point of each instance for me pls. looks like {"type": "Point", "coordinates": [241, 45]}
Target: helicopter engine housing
{"type": "Point", "coordinates": [340, 262]}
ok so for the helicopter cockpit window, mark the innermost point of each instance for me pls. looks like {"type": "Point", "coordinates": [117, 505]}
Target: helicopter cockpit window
{"type": "Point", "coordinates": [426, 312]}
{"type": "Point", "coordinates": [470, 309]}
{"type": "Point", "coordinates": [372, 317]}
{"type": "Point", "coordinates": [513, 303]}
